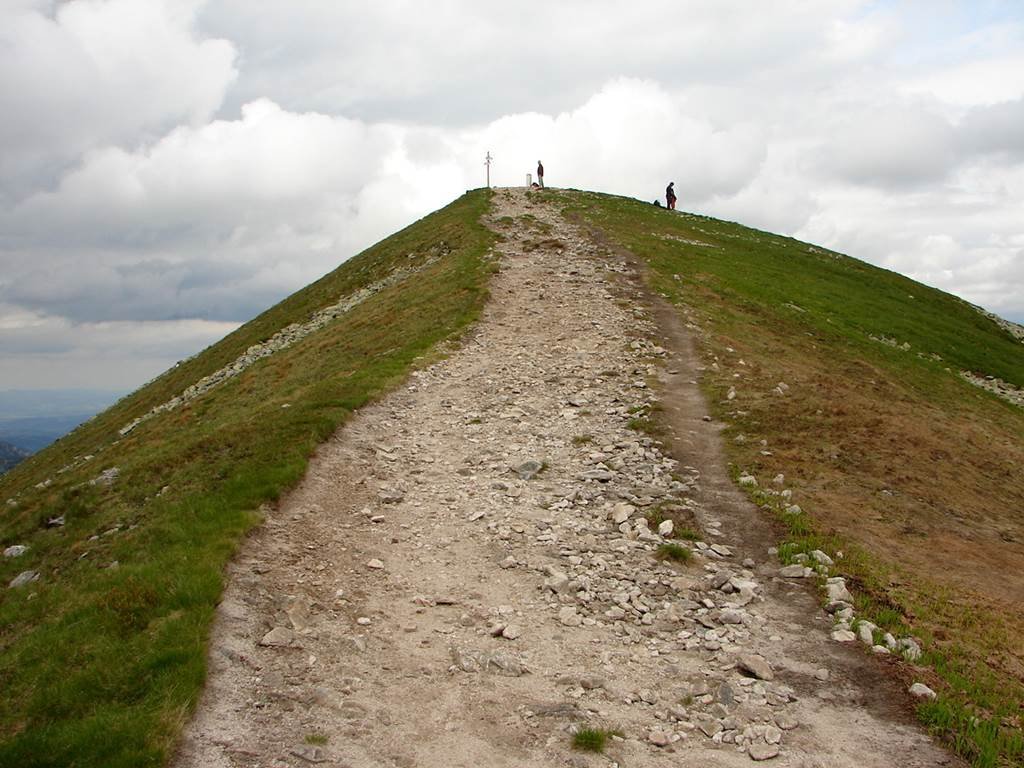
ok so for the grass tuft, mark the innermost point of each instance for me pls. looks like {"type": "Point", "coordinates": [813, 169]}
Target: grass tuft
{"type": "Point", "coordinates": [591, 739]}
{"type": "Point", "coordinates": [677, 553]}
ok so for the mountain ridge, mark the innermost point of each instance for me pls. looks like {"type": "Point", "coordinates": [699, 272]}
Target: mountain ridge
{"type": "Point", "coordinates": [191, 480]}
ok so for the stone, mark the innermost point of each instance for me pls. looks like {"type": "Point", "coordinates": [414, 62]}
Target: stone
{"type": "Point", "coordinates": [363, 621]}
{"type": "Point", "coordinates": [820, 557]}
{"type": "Point", "coordinates": [726, 696]}
{"type": "Point", "coordinates": [760, 751]}
{"type": "Point", "coordinates": [391, 496]}
{"type": "Point", "coordinates": [278, 637]}
{"type": "Point", "coordinates": [755, 665]}
{"type": "Point", "coordinates": [843, 636]}
{"type": "Point", "coordinates": [822, 674]}
{"type": "Point", "coordinates": [375, 564]}
{"type": "Point", "coordinates": [511, 632]}
{"type": "Point", "coordinates": [55, 522]}
{"type": "Point", "coordinates": [648, 696]}
{"type": "Point", "coordinates": [659, 738]}
{"type": "Point", "coordinates": [529, 469]}
{"type": "Point", "coordinates": [310, 754]}
{"type": "Point", "coordinates": [837, 591]}
{"type": "Point", "coordinates": [600, 475]}
{"type": "Point", "coordinates": [911, 650]}
{"type": "Point", "coordinates": [786, 722]}
{"type": "Point", "coordinates": [23, 578]}
{"type": "Point", "coordinates": [568, 617]}
{"type": "Point", "coordinates": [922, 691]}
{"type": "Point", "coordinates": [622, 512]}
{"type": "Point", "coordinates": [665, 528]}
{"type": "Point", "coordinates": [794, 571]}
{"type": "Point", "coordinates": [469, 660]}
{"type": "Point", "coordinates": [793, 509]}
{"type": "Point", "coordinates": [865, 633]}
{"type": "Point", "coordinates": [710, 727]}
{"type": "Point", "coordinates": [106, 477]}
{"type": "Point", "coordinates": [748, 481]}
{"type": "Point", "coordinates": [557, 581]}
{"type": "Point", "coordinates": [16, 550]}
{"type": "Point", "coordinates": [730, 616]}
{"type": "Point", "coordinates": [772, 734]}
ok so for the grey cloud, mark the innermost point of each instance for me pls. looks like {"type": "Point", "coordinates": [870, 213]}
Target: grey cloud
{"type": "Point", "coordinates": [995, 129]}
{"type": "Point", "coordinates": [196, 161]}
{"type": "Point", "coordinates": [453, 63]}
{"type": "Point", "coordinates": [899, 144]}
{"type": "Point", "coordinates": [78, 75]}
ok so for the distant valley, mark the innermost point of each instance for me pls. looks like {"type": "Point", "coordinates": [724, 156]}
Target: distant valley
{"type": "Point", "coordinates": [32, 419]}
{"type": "Point", "coordinates": [10, 455]}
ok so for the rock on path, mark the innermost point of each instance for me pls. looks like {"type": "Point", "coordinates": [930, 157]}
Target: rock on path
{"type": "Point", "coordinates": [467, 575]}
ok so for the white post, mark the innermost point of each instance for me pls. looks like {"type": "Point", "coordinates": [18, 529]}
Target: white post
{"type": "Point", "coordinates": [529, 180]}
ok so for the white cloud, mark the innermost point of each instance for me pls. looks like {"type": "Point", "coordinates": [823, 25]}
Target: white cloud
{"type": "Point", "coordinates": [177, 165]}
{"type": "Point", "coordinates": [39, 350]}
{"type": "Point", "coordinates": [97, 72]}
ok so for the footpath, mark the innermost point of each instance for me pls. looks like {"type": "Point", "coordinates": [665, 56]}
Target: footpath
{"type": "Point", "coordinates": [469, 573]}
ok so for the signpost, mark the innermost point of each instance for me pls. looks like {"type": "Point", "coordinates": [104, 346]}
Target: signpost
{"type": "Point", "coordinates": [487, 162]}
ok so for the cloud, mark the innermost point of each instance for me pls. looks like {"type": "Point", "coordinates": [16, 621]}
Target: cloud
{"type": "Point", "coordinates": [220, 220]}
{"type": "Point", "coordinates": [91, 73]}
{"type": "Point", "coordinates": [44, 351]}
{"type": "Point", "coordinates": [995, 130]}
{"type": "Point", "coordinates": [889, 145]}
{"type": "Point", "coordinates": [176, 165]}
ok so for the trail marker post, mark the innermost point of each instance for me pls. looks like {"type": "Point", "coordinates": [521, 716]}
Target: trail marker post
{"type": "Point", "coordinates": [487, 162]}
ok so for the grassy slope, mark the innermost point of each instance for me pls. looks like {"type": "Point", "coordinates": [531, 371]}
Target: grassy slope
{"type": "Point", "coordinates": [100, 666]}
{"type": "Point", "coordinates": [909, 470]}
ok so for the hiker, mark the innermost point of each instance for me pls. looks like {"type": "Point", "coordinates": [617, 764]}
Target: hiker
{"type": "Point", "coordinates": [670, 196]}
{"type": "Point", "coordinates": [540, 174]}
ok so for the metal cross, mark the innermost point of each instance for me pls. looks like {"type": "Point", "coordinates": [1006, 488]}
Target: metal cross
{"type": "Point", "coordinates": [487, 162]}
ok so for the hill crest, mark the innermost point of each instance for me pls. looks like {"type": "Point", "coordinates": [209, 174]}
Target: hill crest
{"type": "Point", "coordinates": [146, 550]}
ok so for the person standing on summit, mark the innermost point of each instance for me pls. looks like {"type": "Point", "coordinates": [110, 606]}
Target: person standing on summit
{"type": "Point", "coordinates": [540, 174]}
{"type": "Point", "coordinates": [670, 196]}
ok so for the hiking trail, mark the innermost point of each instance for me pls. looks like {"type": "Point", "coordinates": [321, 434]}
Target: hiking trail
{"type": "Point", "coordinates": [467, 574]}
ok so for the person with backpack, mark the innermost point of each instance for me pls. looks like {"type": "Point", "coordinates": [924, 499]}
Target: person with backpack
{"type": "Point", "coordinates": [540, 174]}
{"type": "Point", "coordinates": [670, 196]}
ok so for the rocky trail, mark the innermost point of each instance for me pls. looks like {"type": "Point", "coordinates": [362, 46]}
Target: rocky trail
{"type": "Point", "coordinates": [468, 575]}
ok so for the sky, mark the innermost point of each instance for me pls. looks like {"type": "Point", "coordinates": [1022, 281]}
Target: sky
{"type": "Point", "coordinates": [170, 168]}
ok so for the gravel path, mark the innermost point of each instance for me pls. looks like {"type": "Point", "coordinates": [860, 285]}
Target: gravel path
{"type": "Point", "coordinates": [467, 575]}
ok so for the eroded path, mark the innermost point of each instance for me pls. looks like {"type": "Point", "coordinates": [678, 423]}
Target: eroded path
{"type": "Point", "coordinates": [467, 574]}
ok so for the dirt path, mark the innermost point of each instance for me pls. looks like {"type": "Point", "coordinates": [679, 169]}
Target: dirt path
{"type": "Point", "coordinates": [416, 602]}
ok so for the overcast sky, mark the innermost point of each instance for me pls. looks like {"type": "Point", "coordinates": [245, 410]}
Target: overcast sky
{"type": "Point", "coordinates": [170, 168]}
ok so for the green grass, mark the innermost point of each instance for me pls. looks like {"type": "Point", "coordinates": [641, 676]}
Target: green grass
{"type": "Point", "coordinates": [862, 416]}
{"type": "Point", "coordinates": [101, 666]}
{"type": "Point", "coordinates": [591, 739]}
{"type": "Point", "coordinates": [317, 739]}
{"type": "Point", "coordinates": [677, 553]}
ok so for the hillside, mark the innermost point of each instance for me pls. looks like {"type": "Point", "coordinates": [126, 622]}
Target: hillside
{"type": "Point", "coordinates": [103, 655]}
{"type": "Point", "coordinates": [10, 456]}
{"type": "Point", "coordinates": [841, 384]}
{"type": "Point", "coordinates": [860, 387]}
